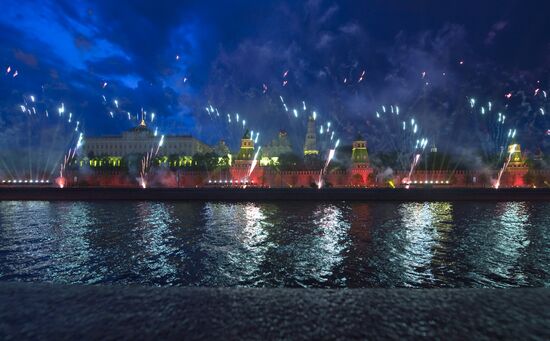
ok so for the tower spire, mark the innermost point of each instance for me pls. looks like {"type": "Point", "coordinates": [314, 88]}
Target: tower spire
{"type": "Point", "coordinates": [142, 123]}
{"type": "Point", "coordinates": [310, 145]}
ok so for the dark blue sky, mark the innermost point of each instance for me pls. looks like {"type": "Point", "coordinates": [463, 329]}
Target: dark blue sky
{"type": "Point", "coordinates": [428, 57]}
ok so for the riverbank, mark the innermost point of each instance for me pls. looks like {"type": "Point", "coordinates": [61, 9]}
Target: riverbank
{"type": "Point", "coordinates": [54, 311]}
{"type": "Point", "coordinates": [268, 194]}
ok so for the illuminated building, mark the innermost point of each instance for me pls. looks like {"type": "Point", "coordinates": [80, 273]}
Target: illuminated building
{"type": "Point", "coordinates": [128, 149]}
{"type": "Point", "coordinates": [360, 169]}
{"type": "Point", "coordinates": [516, 159]}
{"type": "Point", "coordinates": [310, 145]}
{"type": "Point", "coordinates": [278, 146]}
{"type": "Point", "coordinates": [517, 168]}
{"type": "Point", "coordinates": [240, 169]}
{"type": "Point", "coordinates": [141, 140]}
{"type": "Point", "coordinates": [246, 152]}
{"type": "Point", "coordinates": [359, 154]}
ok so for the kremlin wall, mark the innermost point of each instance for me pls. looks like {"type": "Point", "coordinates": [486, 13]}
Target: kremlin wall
{"type": "Point", "coordinates": [172, 167]}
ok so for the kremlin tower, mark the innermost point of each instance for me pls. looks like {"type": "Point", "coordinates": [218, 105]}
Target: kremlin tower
{"type": "Point", "coordinates": [360, 170]}
{"type": "Point", "coordinates": [310, 145]}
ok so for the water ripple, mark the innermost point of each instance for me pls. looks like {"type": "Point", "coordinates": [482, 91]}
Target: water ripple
{"type": "Point", "coordinates": [309, 244]}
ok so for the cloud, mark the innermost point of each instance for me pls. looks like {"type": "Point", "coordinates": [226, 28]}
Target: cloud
{"type": "Point", "coordinates": [350, 28]}
{"type": "Point", "coordinates": [324, 40]}
{"type": "Point", "coordinates": [226, 56]}
{"type": "Point", "coordinates": [112, 66]}
{"type": "Point", "coordinates": [27, 58]}
{"type": "Point", "coordinates": [82, 43]}
{"type": "Point", "coordinates": [495, 29]}
{"type": "Point", "coordinates": [329, 13]}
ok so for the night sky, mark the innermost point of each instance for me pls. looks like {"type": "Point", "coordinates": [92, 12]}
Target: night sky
{"type": "Point", "coordinates": [176, 58]}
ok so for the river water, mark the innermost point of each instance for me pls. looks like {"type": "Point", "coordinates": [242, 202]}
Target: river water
{"type": "Point", "coordinates": [277, 244]}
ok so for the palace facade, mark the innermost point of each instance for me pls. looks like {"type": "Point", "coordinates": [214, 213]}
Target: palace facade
{"type": "Point", "coordinates": [141, 140]}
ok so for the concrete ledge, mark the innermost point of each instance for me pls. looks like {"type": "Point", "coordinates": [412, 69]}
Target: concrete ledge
{"type": "Point", "coordinates": [55, 312]}
{"type": "Point", "coordinates": [272, 194]}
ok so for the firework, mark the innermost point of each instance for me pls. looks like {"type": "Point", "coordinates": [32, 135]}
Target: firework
{"type": "Point", "coordinates": [506, 163]}
{"type": "Point", "coordinates": [361, 77]}
{"type": "Point", "coordinates": [329, 158]}
{"type": "Point", "coordinates": [61, 109]}
{"type": "Point", "coordinates": [254, 162]}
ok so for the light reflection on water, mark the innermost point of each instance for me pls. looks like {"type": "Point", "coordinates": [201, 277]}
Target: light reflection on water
{"type": "Point", "coordinates": [306, 244]}
{"type": "Point", "coordinates": [425, 226]}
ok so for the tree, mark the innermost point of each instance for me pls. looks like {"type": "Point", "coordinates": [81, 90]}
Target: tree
{"type": "Point", "coordinates": [205, 161]}
{"type": "Point", "coordinates": [290, 161]}
{"type": "Point", "coordinates": [541, 180]}
{"type": "Point", "coordinates": [529, 178]}
{"type": "Point", "coordinates": [223, 161]}
{"type": "Point", "coordinates": [371, 178]}
{"type": "Point", "coordinates": [484, 179]}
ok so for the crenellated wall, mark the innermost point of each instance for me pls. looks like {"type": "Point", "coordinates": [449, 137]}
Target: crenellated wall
{"type": "Point", "coordinates": [512, 177]}
{"type": "Point", "coordinates": [356, 176]}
